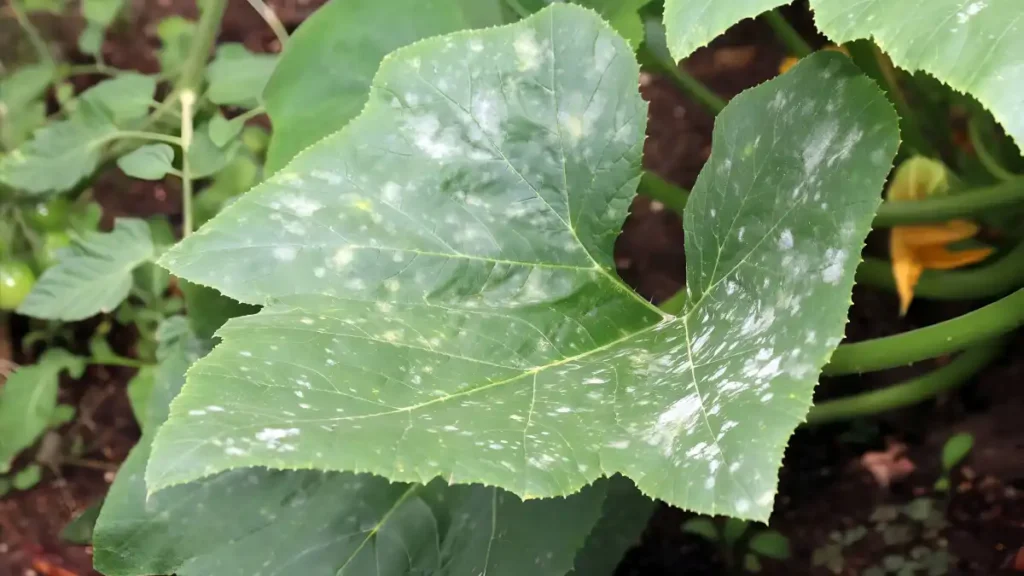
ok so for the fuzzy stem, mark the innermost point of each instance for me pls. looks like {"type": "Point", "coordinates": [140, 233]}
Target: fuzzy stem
{"type": "Point", "coordinates": [988, 281]}
{"type": "Point", "coordinates": [915, 390]}
{"type": "Point", "coordinates": [683, 81]}
{"type": "Point", "coordinates": [953, 335]}
{"type": "Point", "coordinates": [786, 34]}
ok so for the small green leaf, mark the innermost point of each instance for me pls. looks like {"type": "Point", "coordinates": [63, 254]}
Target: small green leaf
{"type": "Point", "coordinates": [18, 127]}
{"type": "Point", "coordinates": [223, 130]}
{"type": "Point", "coordinates": [51, 6]}
{"type": "Point", "coordinates": [454, 248]}
{"type": "Point", "coordinates": [148, 162]}
{"type": "Point", "coordinates": [28, 477]}
{"type": "Point", "coordinates": [62, 414]}
{"type": "Point", "coordinates": [347, 41]}
{"type": "Point", "coordinates": [79, 530]}
{"type": "Point", "coordinates": [175, 35]}
{"type": "Point", "coordinates": [733, 530]}
{"type": "Point", "coordinates": [236, 76]}
{"type": "Point", "coordinates": [60, 155]}
{"type": "Point", "coordinates": [770, 543]}
{"type": "Point", "coordinates": [94, 277]}
{"type": "Point", "coordinates": [751, 563]}
{"type": "Point", "coordinates": [101, 12]}
{"type": "Point", "coordinates": [956, 449]}
{"type": "Point", "coordinates": [127, 96]}
{"type": "Point", "coordinates": [90, 41]}
{"type": "Point", "coordinates": [942, 484]}
{"type": "Point", "coordinates": [28, 401]}
{"type": "Point", "coordinates": [704, 527]}
{"type": "Point", "coordinates": [205, 157]}
{"type": "Point", "coordinates": [140, 388]}
{"type": "Point", "coordinates": [23, 86]}
{"type": "Point", "coordinates": [5, 486]}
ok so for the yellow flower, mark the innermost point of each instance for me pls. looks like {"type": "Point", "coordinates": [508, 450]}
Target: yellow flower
{"type": "Point", "coordinates": [790, 61]}
{"type": "Point", "coordinates": [913, 249]}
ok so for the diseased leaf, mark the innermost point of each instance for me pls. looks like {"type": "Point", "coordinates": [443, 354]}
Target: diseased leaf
{"type": "Point", "coordinates": [28, 401]}
{"type": "Point", "coordinates": [236, 76]}
{"type": "Point", "coordinates": [443, 294]}
{"type": "Point", "coordinates": [972, 45]}
{"type": "Point", "coordinates": [149, 162]}
{"type": "Point", "coordinates": [623, 15]}
{"type": "Point", "coordinates": [690, 24]}
{"type": "Point", "coordinates": [60, 155]}
{"type": "Point", "coordinates": [94, 277]}
{"type": "Point", "coordinates": [324, 75]}
{"type": "Point", "coordinates": [322, 524]}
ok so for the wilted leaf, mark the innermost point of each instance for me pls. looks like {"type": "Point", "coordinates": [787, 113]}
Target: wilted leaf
{"type": "Point", "coordinates": [94, 277]}
{"type": "Point", "coordinates": [149, 162]}
{"type": "Point", "coordinates": [445, 300]}
{"type": "Point", "coordinates": [324, 75]}
{"type": "Point", "coordinates": [28, 400]}
{"type": "Point", "coordinates": [236, 76]}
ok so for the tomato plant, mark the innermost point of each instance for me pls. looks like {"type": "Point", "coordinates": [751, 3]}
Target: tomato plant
{"type": "Point", "coordinates": [402, 345]}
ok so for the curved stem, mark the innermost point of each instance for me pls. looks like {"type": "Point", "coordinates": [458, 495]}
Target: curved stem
{"type": "Point", "coordinates": [964, 204]}
{"type": "Point", "coordinates": [959, 333]}
{"type": "Point", "coordinates": [786, 34]}
{"type": "Point", "coordinates": [988, 281]}
{"type": "Point", "coordinates": [683, 81]}
{"type": "Point", "coordinates": [657, 188]}
{"type": "Point", "coordinates": [268, 15]}
{"type": "Point", "coordinates": [33, 33]}
{"type": "Point", "coordinates": [984, 155]}
{"type": "Point", "coordinates": [955, 374]}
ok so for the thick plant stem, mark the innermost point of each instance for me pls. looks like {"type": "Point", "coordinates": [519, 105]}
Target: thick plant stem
{"type": "Point", "coordinates": [988, 281]}
{"type": "Point", "coordinates": [270, 17]}
{"type": "Point", "coordinates": [955, 374]}
{"type": "Point", "coordinates": [964, 204]}
{"type": "Point", "coordinates": [188, 100]}
{"type": "Point", "coordinates": [683, 81]}
{"type": "Point", "coordinates": [962, 332]}
{"type": "Point", "coordinates": [657, 188]}
{"type": "Point", "coordinates": [987, 159]}
{"type": "Point", "coordinates": [206, 32]}
{"type": "Point", "coordinates": [42, 50]}
{"type": "Point", "coordinates": [786, 34]}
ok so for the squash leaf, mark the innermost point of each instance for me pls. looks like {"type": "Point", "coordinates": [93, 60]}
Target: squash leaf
{"type": "Point", "coordinates": [442, 296]}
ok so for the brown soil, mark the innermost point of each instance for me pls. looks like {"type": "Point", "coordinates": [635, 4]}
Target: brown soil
{"type": "Point", "coordinates": [822, 489]}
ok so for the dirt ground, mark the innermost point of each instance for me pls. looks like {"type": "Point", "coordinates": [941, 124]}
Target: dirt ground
{"type": "Point", "coordinates": [829, 505]}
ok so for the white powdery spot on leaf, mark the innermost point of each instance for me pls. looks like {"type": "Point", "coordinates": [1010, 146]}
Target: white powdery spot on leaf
{"type": "Point", "coordinates": [528, 51]}
{"type": "Point", "coordinates": [680, 416]}
{"type": "Point", "coordinates": [835, 261]}
{"type": "Point", "coordinates": [285, 253]}
{"type": "Point", "coordinates": [786, 239]}
{"type": "Point", "coordinates": [817, 145]}
{"type": "Point", "coordinates": [300, 205]}
{"type": "Point", "coordinates": [272, 437]}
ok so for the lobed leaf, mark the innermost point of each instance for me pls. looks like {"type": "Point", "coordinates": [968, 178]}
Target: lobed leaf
{"type": "Point", "coordinates": [95, 276]}
{"type": "Point", "coordinates": [28, 401]}
{"type": "Point", "coordinates": [315, 523]}
{"type": "Point", "coordinates": [323, 78]}
{"type": "Point", "coordinates": [442, 293]}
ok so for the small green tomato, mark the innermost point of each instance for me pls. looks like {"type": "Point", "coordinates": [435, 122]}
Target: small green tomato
{"type": "Point", "coordinates": [16, 281]}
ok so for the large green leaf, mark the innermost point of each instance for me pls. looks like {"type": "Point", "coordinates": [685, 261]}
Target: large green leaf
{"type": "Point", "coordinates": [323, 78]}
{"type": "Point", "coordinates": [623, 15]}
{"type": "Point", "coordinates": [61, 154]}
{"type": "Point", "coordinates": [443, 297]}
{"type": "Point", "coordinates": [315, 523]}
{"type": "Point", "coordinates": [975, 46]}
{"type": "Point", "coordinates": [690, 24]}
{"type": "Point", "coordinates": [972, 45]}
{"type": "Point", "coordinates": [95, 276]}
{"type": "Point", "coordinates": [28, 401]}
{"type": "Point", "coordinates": [237, 76]}
{"type": "Point", "coordinates": [623, 519]}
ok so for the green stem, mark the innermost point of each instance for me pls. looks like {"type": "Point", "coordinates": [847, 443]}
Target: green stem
{"type": "Point", "coordinates": [683, 81]}
{"type": "Point", "coordinates": [119, 361]}
{"type": "Point", "coordinates": [152, 136]}
{"type": "Point", "coordinates": [195, 63]}
{"type": "Point", "coordinates": [991, 280]}
{"type": "Point", "coordinates": [959, 333]}
{"type": "Point", "coordinates": [657, 188]}
{"type": "Point", "coordinates": [188, 100]}
{"type": "Point", "coordinates": [38, 43]}
{"type": "Point", "coordinates": [268, 15]}
{"type": "Point", "coordinates": [517, 8]}
{"type": "Point", "coordinates": [85, 69]}
{"type": "Point", "coordinates": [789, 37]}
{"type": "Point", "coordinates": [955, 374]}
{"type": "Point", "coordinates": [987, 159]}
{"type": "Point", "coordinates": [963, 204]}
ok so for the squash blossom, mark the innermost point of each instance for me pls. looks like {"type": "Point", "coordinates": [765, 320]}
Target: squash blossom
{"type": "Point", "coordinates": [790, 61]}
{"type": "Point", "coordinates": [912, 249]}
